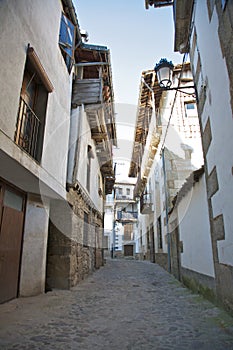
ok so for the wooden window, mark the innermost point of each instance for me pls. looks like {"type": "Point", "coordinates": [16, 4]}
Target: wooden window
{"type": "Point", "coordinates": [30, 125]}
{"type": "Point", "coordinates": [66, 41]}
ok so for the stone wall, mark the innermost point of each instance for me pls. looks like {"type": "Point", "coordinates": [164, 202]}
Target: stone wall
{"type": "Point", "coordinates": [224, 272]}
{"type": "Point", "coordinates": [161, 259]}
{"type": "Point", "coordinates": [71, 257]}
{"type": "Point", "coordinates": [199, 283]}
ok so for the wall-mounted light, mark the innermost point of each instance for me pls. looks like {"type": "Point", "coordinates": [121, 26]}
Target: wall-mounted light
{"type": "Point", "coordinates": [164, 72]}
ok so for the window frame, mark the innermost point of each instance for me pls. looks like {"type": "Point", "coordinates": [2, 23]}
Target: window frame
{"type": "Point", "coordinates": [33, 103]}
{"type": "Point", "coordinates": [67, 29]}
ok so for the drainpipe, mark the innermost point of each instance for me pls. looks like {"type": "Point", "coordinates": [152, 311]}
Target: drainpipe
{"type": "Point", "coordinates": [166, 205]}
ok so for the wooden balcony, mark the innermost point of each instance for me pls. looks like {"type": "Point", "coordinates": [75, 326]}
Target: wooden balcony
{"type": "Point", "coordinates": [87, 91]}
{"type": "Point", "coordinates": [146, 206]}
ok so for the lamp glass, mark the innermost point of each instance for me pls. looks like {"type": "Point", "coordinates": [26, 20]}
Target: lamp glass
{"type": "Point", "coordinates": [164, 75]}
{"type": "Point", "coordinates": [164, 70]}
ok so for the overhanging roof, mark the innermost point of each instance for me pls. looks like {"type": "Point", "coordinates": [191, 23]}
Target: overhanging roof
{"type": "Point", "coordinates": [182, 19]}
{"type": "Point", "coordinates": [144, 111]}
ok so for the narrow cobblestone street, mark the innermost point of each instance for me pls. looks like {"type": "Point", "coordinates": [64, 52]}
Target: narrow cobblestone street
{"type": "Point", "coordinates": [124, 305]}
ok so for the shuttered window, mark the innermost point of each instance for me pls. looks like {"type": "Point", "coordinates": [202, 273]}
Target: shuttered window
{"type": "Point", "coordinates": [66, 41]}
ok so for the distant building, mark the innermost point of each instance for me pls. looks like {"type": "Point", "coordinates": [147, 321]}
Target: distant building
{"type": "Point", "coordinates": [125, 220]}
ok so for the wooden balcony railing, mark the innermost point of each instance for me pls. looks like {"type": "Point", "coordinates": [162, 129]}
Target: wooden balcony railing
{"type": "Point", "coordinates": [127, 215]}
{"type": "Point", "coordinates": [146, 206]}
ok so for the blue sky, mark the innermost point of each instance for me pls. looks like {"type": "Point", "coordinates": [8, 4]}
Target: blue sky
{"type": "Point", "coordinates": [137, 39]}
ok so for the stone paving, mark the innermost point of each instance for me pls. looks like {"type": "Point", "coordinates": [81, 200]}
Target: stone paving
{"type": "Point", "coordinates": [127, 305]}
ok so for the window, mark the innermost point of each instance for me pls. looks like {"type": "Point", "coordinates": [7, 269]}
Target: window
{"type": "Point", "coordinates": [66, 41]}
{"type": "Point", "coordinates": [159, 233]}
{"type": "Point", "coordinates": [120, 191]}
{"type": "Point", "coordinates": [85, 229]}
{"type": "Point", "coordinates": [30, 125]}
{"type": "Point", "coordinates": [128, 191]}
{"type": "Point", "coordinates": [190, 106]}
{"type": "Point", "coordinates": [13, 200]}
{"type": "Point", "coordinates": [190, 110]}
{"type": "Point", "coordinates": [224, 4]}
{"type": "Point", "coordinates": [90, 155]}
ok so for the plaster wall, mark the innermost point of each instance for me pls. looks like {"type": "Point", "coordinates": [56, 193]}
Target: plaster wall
{"type": "Point", "coordinates": [194, 230]}
{"type": "Point", "coordinates": [33, 266]}
{"type": "Point", "coordinates": [37, 23]}
{"type": "Point", "coordinates": [75, 125]}
{"type": "Point", "coordinates": [85, 139]}
{"type": "Point", "coordinates": [218, 109]}
{"type": "Point", "coordinates": [183, 132]}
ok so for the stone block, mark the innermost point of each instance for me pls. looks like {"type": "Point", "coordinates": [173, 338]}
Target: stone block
{"type": "Point", "coordinates": [224, 285]}
{"type": "Point", "coordinates": [212, 183]}
{"type": "Point", "coordinates": [207, 137]}
{"type": "Point", "coordinates": [218, 228]}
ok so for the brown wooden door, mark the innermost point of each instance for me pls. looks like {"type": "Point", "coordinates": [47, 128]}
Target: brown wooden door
{"type": "Point", "coordinates": [175, 254]}
{"type": "Point", "coordinates": [11, 230]}
{"type": "Point", "coordinates": [128, 250]}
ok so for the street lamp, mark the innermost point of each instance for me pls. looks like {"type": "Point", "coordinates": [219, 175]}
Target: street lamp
{"type": "Point", "coordinates": [164, 71]}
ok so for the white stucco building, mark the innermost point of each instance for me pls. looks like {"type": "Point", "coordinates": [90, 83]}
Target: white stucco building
{"type": "Point", "coordinates": [166, 150]}
{"type": "Point", "coordinates": [34, 134]}
{"type": "Point", "coordinates": [55, 163]}
{"type": "Point", "coordinates": [190, 237]}
{"type": "Point", "coordinates": [205, 31]}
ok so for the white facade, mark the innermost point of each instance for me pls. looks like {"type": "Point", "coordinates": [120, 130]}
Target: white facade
{"type": "Point", "coordinates": [194, 230]}
{"type": "Point", "coordinates": [81, 137]}
{"type": "Point", "coordinates": [36, 26]}
{"type": "Point", "coordinates": [121, 216]}
{"type": "Point", "coordinates": [33, 268]}
{"type": "Point", "coordinates": [179, 152]}
{"type": "Point", "coordinates": [218, 109]}
{"type": "Point", "coordinates": [16, 34]}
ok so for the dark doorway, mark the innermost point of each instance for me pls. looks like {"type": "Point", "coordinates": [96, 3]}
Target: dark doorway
{"type": "Point", "coordinates": [128, 250]}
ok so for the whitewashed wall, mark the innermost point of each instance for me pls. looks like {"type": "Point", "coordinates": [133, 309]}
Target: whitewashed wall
{"type": "Point", "coordinates": [37, 24]}
{"type": "Point", "coordinates": [194, 230]}
{"type": "Point", "coordinates": [84, 139]}
{"type": "Point", "coordinates": [217, 107]}
{"type": "Point", "coordinates": [33, 265]}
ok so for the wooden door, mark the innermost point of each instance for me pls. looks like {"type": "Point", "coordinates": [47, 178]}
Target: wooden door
{"type": "Point", "coordinates": [11, 230]}
{"type": "Point", "coordinates": [128, 250]}
{"type": "Point", "coordinates": [175, 253]}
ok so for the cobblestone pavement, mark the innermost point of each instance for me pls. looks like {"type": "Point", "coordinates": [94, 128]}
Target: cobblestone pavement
{"type": "Point", "coordinates": [124, 305]}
